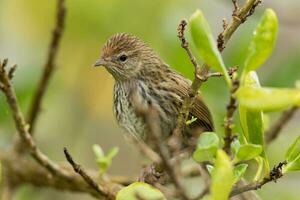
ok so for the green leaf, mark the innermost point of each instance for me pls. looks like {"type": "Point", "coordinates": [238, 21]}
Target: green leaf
{"type": "Point", "coordinates": [103, 164]}
{"type": "Point", "coordinates": [98, 151]}
{"type": "Point", "coordinates": [139, 190]}
{"type": "Point", "coordinates": [235, 146]}
{"type": "Point", "coordinates": [263, 41]}
{"type": "Point", "coordinates": [267, 99]}
{"type": "Point", "coordinates": [248, 151]}
{"type": "Point", "coordinates": [210, 169]}
{"type": "Point", "coordinates": [104, 161]}
{"type": "Point", "coordinates": [239, 171]}
{"type": "Point", "coordinates": [206, 45]}
{"type": "Point", "coordinates": [189, 122]}
{"type": "Point", "coordinates": [293, 156]}
{"type": "Point", "coordinates": [222, 177]}
{"type": "Point", "coordinates": [252, 122]}
{"type": "Point", "coordinates": [112, 153]}
{"type": "Point", "coordinates": [293, 151]}
{"type": "Point", "coordinates": [207, 147]}
{"type": "Point", "coordinates": [292, 166]}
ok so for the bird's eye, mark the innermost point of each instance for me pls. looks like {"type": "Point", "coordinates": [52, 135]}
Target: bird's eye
{"type": "Point", "coordinates": [123, 58]}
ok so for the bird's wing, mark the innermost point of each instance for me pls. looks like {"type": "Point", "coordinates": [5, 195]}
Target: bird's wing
{"type": "Point", "coordinates": [199, 108]}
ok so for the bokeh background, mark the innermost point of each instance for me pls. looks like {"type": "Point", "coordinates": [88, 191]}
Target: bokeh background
{"type": "Point", "coordinates": [77, 110]}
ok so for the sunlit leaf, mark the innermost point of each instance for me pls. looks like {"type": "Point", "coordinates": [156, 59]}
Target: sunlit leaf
{"type": "Point", "coordinates": [249, 151]}
{"type": "Point", "coordinates": [267, 99]}
{"type": "Point", "coordinates": [192, 120]}
{"type": "Point", "coordinates": [252, 122]}
{"type": "Point", "coordinates": [207, 147]}
{"type": "Point", "coordinates": [205, 43]}
{"type": "Point", "coordinates": [113, 152]}
{"type": "Point", "coordinates": [222, 177]}
{"type": "Point", "coordinates": [239, 171]}
{"type": "Point", "coordinates": [210, 169]}
{"type": "Point", "coordinates": [103, 164]}
{"type": "Point", "coordinates": [104, 161]}
{"type": "Point", "coordinates": [98, 151]}
{"type": "Point", "coordinates": [235, 146]}
{"type": "Point", "coordinates": [293, 156]}
{"type": "Point", "coordinates": [293, 165]}
{"type": "Point", "coordinates": [293, 151]}
{"type": "Point", "coordinates": [139, 190]}
{"type": "Point", "coordinates": [263, 41]}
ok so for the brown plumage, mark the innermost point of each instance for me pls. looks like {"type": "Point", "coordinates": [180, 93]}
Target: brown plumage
{"type": "Point", "coordinates": [141, 75]}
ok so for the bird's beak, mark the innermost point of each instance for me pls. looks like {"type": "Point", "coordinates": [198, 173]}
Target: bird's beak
{"type": "Point", "coordinates": [100, 62]}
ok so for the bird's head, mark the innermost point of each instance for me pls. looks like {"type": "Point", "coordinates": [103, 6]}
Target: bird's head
{"type": "Point", "coordinates": [125, 56]}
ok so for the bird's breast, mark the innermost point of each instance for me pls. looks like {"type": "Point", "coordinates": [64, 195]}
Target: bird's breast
{"type": "Point", "coordinates": [124, 111]}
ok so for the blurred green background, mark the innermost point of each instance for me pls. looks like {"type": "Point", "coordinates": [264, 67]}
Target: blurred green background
{"type": "Point", "coordinates": [77, 110]}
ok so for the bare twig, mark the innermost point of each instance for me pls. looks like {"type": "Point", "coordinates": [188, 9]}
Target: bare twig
{"type": "Point", "coordinates": [21, 170]}
{"type": "Point", "coordinates": [12, 72]}
{"type": "Point", "coordinates": [198, 79]}
{"type": "Point", "coordinates": [237, 19]}
{"type": "Point", "coordinates": [206, 180]}
{"type": "Point", "coordinates": [48, 67]}
{"type": "Point", "coordinates": [231, 71]}
{"type": "Point", "coordinates": [22, 126]}
{"type": "Point", "coordinates": [151, 117]}
{"type": "Point", "coordinates": [145, 149]}
{"type": "Point", "coordinates": [7, 192]}
{"type": "Point", "coordinates": [236, 6]}
{"type": "Point", "coordinates": [201, 72]}
{"type": "Point", "coordinates": [275, 174]}
{"type": "Point", "coordinates": [78, 169]}
{"type": "Point", "coordinates": [155, 130]}
{"type": "Point", "coordinates": [224, 23]}
{"type": "Point", "coordinates": [283, 120]}
{"type": "Point", "coordinates": [231, 108]}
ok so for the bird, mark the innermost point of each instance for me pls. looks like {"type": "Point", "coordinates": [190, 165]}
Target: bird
{"type": "Point", "coordinates": [142, 77]}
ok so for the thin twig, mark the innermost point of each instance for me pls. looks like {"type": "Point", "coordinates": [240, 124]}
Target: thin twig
{"type": "Point", "coordinates": [145, 149]}
{"type": "Point", "coordinates": [20, 170]}
{"type": "Point", "coordinates": [22, 126]}
{"type": "Point", "coordinates": [48, 67]}
{"type": "Point", "coordinates": [201, 72]}
{"type": "Point", "coordinates": [274, 131]}
{"type": "Point", "coordinates": [151, 117]}
{"type": "Point", "coordinates": [7, 191]}
{"type": "Point", "coordinates": [236, 6]}
{"type": "Point", "coordinates": [224, 23]}
{"type": "Point", "coordinates": [155, 130]}
{"type": "Point", "coordinates": [275, 174]}
{"type": "Point", "coordinates": [206, 180]}
{"type": "Point", "coordinates": [237, 19]}
{"type": "Point", "coordinates": [78, 169]}
{"type": "Point", "coordinates": [228, 122]}
{"type": "Point", "coordinates": [198, 78]}
{"type": "Point", "coordinates": [231, 71]}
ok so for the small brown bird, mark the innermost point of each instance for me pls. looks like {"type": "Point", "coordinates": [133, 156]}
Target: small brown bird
{"type": "Point", "coordinates": [141, 74]}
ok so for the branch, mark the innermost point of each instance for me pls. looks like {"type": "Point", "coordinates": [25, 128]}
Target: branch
{"type": "Point", "coordinates": [151, 117]}
{"type": "Point", "coordinates": [145, 149]}
{"type": "Point", "coordinates": [275, 174]}
{"type": "Point", "coordinates": [101, 190]}
{"type": "Point", "coordinates": [231, 108]}
{"type": "Point", "coordinates": [22, 170]}
{"type": "Point", "coordinates": [239, 16]}
{"type": "Point", "coordinates": [48, 67]}
{"type": "Point", "coordinates": [276, 128]}
{"type": "Point", "coordinates": [201, 73]}
{"type": "Point", "coordinates": [22, 126]}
